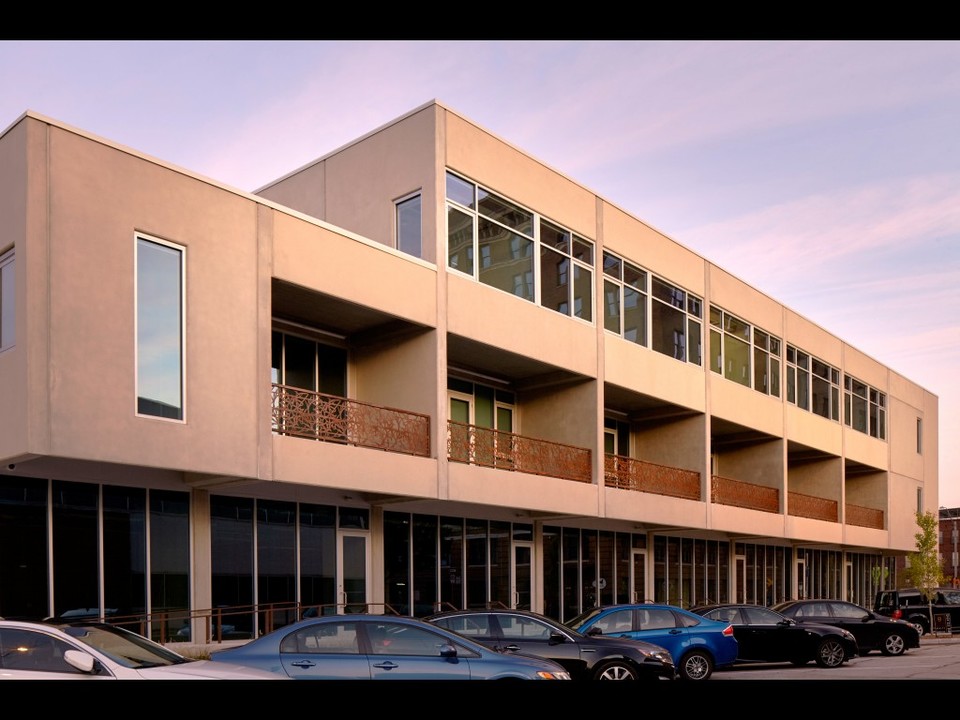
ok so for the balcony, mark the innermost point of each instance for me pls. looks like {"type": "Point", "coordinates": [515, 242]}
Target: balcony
{"type": "Point", "coordinates": [316, 416]}
{"type": "Point", "coordinates": [506, 451]}
{"type": "Point", "coordinates": [746, 495]}
{"type": "Point", "coordinates": [816, 508]}
{"type": "Point", "coordinates": [864, 517]}
{"type": "Point", "coordinates": [631, 474]}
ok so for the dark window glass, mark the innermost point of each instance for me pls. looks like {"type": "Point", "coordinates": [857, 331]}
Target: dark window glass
{"type": "Point", "coordinates": [23, 548]}
{"type": "Point", "coordinates": [277, 558]}
{"type": "Point", "coordinates": [125, 550]}
{"type": "Point", "coordinates": [76, 567]}
{"type": "Point", "coordinates": [231, 556]}
{"type": "Point", "coordinates": [169, 559]}
{"type": "Point", "coordinates": [318, 554]}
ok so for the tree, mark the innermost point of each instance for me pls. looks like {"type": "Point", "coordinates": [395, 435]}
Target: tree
{"type": "Point", "coordinates": [923, 570]}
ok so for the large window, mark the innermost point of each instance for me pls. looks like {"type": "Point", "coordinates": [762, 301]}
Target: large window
{"type": "Point", "coordinates": [624, 299]}
{"type": "Point", "coordinates": [566, 271]}
{"type": "Point", "coordinates": [409, 226]}
{"type": "Point", "coordinates": [630, 307]}
{"type": "Point", "coordinates": [744, 353]}
{"type": "Point", "coordinates": [509, 247]}
{"type": "Point", "coordinates": [812, 384]}
{"type": "Point", "coordinates": [7, 324]}
{"type": "Point", "coordinates": [160, 337]}
{"type": "Point", "coordinates": [864, 408]}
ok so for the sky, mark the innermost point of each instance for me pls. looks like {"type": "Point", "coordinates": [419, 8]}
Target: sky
{"type": "Point", "coordinates": [826, 174]}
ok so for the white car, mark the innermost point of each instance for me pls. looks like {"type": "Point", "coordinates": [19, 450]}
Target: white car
{"type": "Point", "coordinates": [100, 651]}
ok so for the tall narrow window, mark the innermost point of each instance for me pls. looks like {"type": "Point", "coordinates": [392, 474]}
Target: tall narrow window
{"type": "Point", "coordinates": [6, 300]}
{"type": "Point", "coordinates": [160, 340]}
{"type": "Point", "coordinates": [919, 435]}
{"type": "Point", "coordinates": [409, 226]}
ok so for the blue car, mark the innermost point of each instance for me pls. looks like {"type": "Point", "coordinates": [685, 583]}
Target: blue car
{"type": "Point", "coordinates": [381, 647]}
{"type": "Point", "coordinates": [697, 644]}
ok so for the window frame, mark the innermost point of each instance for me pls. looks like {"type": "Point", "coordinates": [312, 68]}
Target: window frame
{"type": "Point", "coordinates": [481, 211]}
{"type": "Point", "coordinates": [403, 221]}
{"type": "Point", "coordinates": [8, 300]}
{"type": "Point", "coordinates": [758, 344]}
{"type": "Point", "coordinates": [139, 237]}
{"type": "Point", "coordinates": [874, 404]}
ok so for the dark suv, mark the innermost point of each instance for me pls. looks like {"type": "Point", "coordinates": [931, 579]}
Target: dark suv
{"type": "Point", "coordinates": [911, 604]}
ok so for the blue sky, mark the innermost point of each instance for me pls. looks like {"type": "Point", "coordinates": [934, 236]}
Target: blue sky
{"type": "Point", "coordinates": [824, 173]}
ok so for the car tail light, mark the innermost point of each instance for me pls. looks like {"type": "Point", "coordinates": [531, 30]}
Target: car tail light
{"type": "Point", "coordinates": [728, 630]}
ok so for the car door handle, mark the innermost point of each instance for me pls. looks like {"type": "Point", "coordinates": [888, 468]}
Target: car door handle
{"type": "Point", "coordinates": [303, 663]}
{"type": "Point", "coordinates": [386, 665]}
{"type": "Point", "coordinates": [512, 648]}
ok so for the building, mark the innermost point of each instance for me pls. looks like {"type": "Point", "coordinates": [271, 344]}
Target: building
{"type": "Point", "coordinates": [949, 542]}
{"type": "Point", "coordinates": [423, 371]}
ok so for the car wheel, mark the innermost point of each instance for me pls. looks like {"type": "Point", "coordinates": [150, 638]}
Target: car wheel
{"type": "Point", "coordinates": [695, 666]}
{"type": "Point", "coordinates": [893, 644]}
{"type": "Point", "coordinates": [615, 670]}
{"type": "Point", "coordinates": [830, 653]}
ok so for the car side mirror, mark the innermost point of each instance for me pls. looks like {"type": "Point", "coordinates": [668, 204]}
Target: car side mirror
{"type": "Point", "coordinates": [557, 638]}
{"type": "Point", "coordinates": [80, 660]}
{"type": "Point", "coordinates": [448, 651]}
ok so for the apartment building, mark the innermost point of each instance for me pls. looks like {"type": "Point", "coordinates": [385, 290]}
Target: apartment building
{"type": "Point", "coordinates": [424, 371]}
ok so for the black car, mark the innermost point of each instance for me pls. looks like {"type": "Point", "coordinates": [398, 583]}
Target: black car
{"type": "Point", "coordinates": [872, 630]}
{"type": "Point", "coordinates": [765, 635]}
{"type": "Point", "coordinates": [584, 657]}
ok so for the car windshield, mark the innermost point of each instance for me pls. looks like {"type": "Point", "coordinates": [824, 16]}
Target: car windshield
{"type": "Point", "coordinates": [124, 647]}
{"type": "Point", "coordinates": [580, 620]}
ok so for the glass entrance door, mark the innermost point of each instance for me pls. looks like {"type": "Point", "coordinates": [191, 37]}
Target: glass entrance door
{"type": "Point", "coordinates": [353, 570]}
{"type": "Point", "coordinates": [522, 576]}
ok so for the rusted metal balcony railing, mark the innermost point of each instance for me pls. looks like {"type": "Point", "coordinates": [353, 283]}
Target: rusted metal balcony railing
{"type": "Point", "coordinates": [809, 506]}
{"type": "Point", "coordinates": [864, 516]}
{"type": "Point", "coordinates": [507, 451]}
{"type": "Point", "coordinates": [631, 474]}
{"type": "Point", "coordinates": [725, 491]}
{"type": "Point", "coordinates": [318, 416]}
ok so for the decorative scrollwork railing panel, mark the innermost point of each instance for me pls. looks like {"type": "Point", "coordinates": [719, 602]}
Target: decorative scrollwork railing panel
{"type": "Point", "coordinates": [726, 491]}
{"type": "Point", "coordinates": [642, 476]}
{"type": "Point", "coordinates": [507, 451]}
{"type": "Point", "coordinates": [308, 414]}
{"type": "Point", "coordinates": [864, 516]}
{"type": "Point", "coordinates": [809, 506]}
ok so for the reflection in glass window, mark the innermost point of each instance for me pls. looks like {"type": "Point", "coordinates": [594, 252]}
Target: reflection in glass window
{"type": "Point", "coordinates": [812, 384]}
{"type": "Point", "coordinates": [409, 236]}
{"type": "Point", "coordinates": [508, 247]}
{"type": "Point", "coordinates": [160, 341]}
{"type": "Point", "coordinates": [6, 300]}
{"type": "Point", "coordinates": [864, 408]}
{"type": "Point", "coordinates": [744, 353]}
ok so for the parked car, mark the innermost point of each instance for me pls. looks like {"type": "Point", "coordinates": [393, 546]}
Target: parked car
{"type": "Point", "coordinates": [99, 651]}
{"type": "Point", "coordinates": [912, 605]}
{"type": "Point", "coordinates": [872, 630]}
{"type": "Point", "coordinates": [382, 647]}
{"type": "Point", "coordinates": [765, 635]}
{"type": "Point", "coordinates": [697, 644]}
{"type": "Point", "coordinates": [584, 657]}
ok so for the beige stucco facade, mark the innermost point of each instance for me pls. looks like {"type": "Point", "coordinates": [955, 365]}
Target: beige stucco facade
{"type": "Point", "coordinates": [317, 248]}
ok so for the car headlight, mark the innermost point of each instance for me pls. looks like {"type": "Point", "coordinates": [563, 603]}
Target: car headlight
{"type": "Point", "coordinates": [660, 655]}
{"type": "Point", "coordinates": [546, 675]}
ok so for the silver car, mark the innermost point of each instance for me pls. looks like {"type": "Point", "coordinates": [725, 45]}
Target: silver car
{"type": "Point", "coordinates": [100, 651]}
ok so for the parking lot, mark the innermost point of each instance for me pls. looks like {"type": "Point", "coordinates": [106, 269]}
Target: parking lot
{"type": "Point", "coordinates": [937, 658]}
